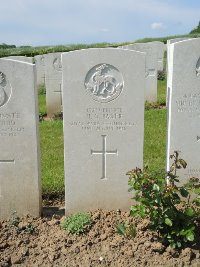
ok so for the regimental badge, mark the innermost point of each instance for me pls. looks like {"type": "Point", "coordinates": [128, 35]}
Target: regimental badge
{"type": "Point", "coordinates": [104, 83]}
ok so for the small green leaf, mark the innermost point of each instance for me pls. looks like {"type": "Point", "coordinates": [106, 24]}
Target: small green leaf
{"type": "Point", "coordinates": [121, 229]}
{"type": "Point", "coordinates": [184, 192]}
{"type": "Point", "coordinates": [183, 163]}
{"type": "Point", "coordinates": [156, 188]}
{"type": "Point", "coordinates": [189, 212]}
{"type": "Point", "coordinates": [168, 222]}
{"type": "Point", "coordinates": [197, 201]}
{"type": "Point", "coordinates": [190, 236]}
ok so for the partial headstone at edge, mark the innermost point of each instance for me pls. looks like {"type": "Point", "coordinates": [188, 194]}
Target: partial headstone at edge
{"type": "Point", "coordinates": [21, 58]}
{"type": "Point", "coordinates": [184, 106]}
{"type": "Point", "coordinates": [20, 189]}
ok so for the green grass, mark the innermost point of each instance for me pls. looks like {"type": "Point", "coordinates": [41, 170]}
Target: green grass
{"type": "Point", "coordinates": [52, 155]}
{"type": "Point", "coordinates": [42, 99]}
{"type": "Point", "coordinates": [162, 92]}
{"type": "Point", "coordinates": [155, 138]}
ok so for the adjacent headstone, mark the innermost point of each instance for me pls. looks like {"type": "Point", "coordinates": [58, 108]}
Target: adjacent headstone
{"type": "Point", "coordinates": [21, 58]}
{"type": "Point", "coordinates": [160, 46]}
{"type": "Point", "coordinates": [175, 40]}
{"type": "Point", "coordinates": [170, 57]}
{"type": "Point", "coordinates": [172, 41]}
{"type": "Point", "coordinates": [19, 157]}
{"type": "Point", "coordinates": [151, 68]}
{"type": "Point", "coordinates": [53, 80]}
{"type": "Point", "coordinates": [103, 108]}
{"type": "Point", "coordinates": [184, 105]}
{"type": "Point", "coordinates": [39, 62]}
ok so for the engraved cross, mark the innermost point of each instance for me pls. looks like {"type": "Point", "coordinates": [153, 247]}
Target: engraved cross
{"type": "Point", "coordinates": [104, 154]}
{"type": "Point", "coordinates": [7, 161]}
{"type": "Point", "coordinates": [60, 92]}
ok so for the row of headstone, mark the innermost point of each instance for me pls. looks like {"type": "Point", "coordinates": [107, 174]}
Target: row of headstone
{"type": "Point", "coordinates": [49, 71]}
{"type": "Point", "coordinates": [103, 107]}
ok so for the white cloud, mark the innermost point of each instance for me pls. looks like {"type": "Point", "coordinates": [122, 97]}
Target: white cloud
{"type": "Point", "coordinates": [104, 30]}
{"type": "Point", "coordinates": [157, 26]}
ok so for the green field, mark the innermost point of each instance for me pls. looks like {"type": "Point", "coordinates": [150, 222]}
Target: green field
{"type": "Point", "coordinates": [30, 51]}
{"type": "Point", "coordinates": [52, 145]}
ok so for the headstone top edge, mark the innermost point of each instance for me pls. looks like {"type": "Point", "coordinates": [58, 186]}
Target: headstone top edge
{"type": "Point", "coordinates": [104, 49]}
{"type": "Point", "coordinates": [18, 61]}
{"type": "Point", "coordinates": [182, 41]}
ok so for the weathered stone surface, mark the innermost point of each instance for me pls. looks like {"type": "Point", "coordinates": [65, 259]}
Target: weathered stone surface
{"type": "Point", "coordinates": [19, 159]}
{"type": "Point", "coordinates": [169, 42]}
{"type": "Point", "coordinates": [39, 63]}
{"type": "Point", "coordinates": [103, 101]}
{"type": "Point", "coordinates": [21, 58]}
{"type": "Point", "coordinates": [53, 80]}
{"type": "Point", "coordinates": [151, 68]}
{"type": "Point", "coordinates": [184, 105]}
{"type": "Point", "coordinates": [160, 54]}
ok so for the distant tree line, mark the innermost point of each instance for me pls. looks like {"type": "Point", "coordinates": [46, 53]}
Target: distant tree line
{"type": "Point", "coordinates": [196, 30]}
{"type": "Point", "coordinates": [6, 46]}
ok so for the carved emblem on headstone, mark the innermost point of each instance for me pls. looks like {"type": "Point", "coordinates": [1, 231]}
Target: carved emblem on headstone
{"type": "Point", "coordinates": [104, 83]}
{"type": "Point", "coordinates": [5, 89]}
{"type": "Point", "coordinates": [198, 68]}
{"type": "Point", "coordinates": [57, 64]}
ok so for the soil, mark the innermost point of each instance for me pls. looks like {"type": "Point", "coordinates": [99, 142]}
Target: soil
{"type": "Point", "coordinates": [41, 242]}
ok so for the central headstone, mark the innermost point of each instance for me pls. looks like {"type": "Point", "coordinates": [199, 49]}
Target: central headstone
{"type": "Point", "coordinates": [103, 101]}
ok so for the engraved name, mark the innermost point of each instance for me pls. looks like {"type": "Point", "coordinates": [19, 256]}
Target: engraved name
{"type": "Point", "coordinates": [10, 124]}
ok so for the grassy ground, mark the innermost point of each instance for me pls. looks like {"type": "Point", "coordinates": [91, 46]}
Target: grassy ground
{"type": "Point", "coordinates": [162, 92]}
{"type": "Point", "coordinates": [52, 155]}
{"type": "Point", "coordinates": [155, 139]}
{"type": "Point", "coordinates": [52, 145]}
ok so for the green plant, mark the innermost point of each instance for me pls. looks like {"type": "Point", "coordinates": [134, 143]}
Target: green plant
{"type": "Point", "coordinates": [161, 75]}
{"type": "Point", "coordinates": [41, 89]}
{"type": "Point", "coordinates": [30, 229]}
{"type": "Point", "coordinates": [58, 116]}
{"type": "Point", "coordinates": [127, 230]}
{"type": "Point", "coordinates": [14, 219]}
{"type": "Point", "coordinates": [77, 223]}
{"type": "Point", "coordinates": [169, 207]}
{"type": "Point", "coordinates": [41, 116]}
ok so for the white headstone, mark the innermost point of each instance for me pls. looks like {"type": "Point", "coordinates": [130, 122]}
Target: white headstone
{"type": "Point", "coordinates": [175, 40]}
{"type": "Point", "coordinates": [21, 58]}
{"type": "Point", "coordinates": [19, 157]}
{"type": "Point", "coordinates": [39, 62]}
{"type": "Point", "coordinates": [53, 80]}
{"type": "Point", "coordinates": [160, 46]}
{"type": "Point", "coordinates": [151, 68]}
{"type": "Point", "coordinates": [184, 105]}
{"type": "Point", "coordinates": [172, 41]}
{"type": "Point", "coordinates": [170, 57]}
{"type": "Point", "coordinates": [103, 108]}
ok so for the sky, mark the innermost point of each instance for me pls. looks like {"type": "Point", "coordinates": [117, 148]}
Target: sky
{"type": "Point", "coordinates": [61, 22]}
